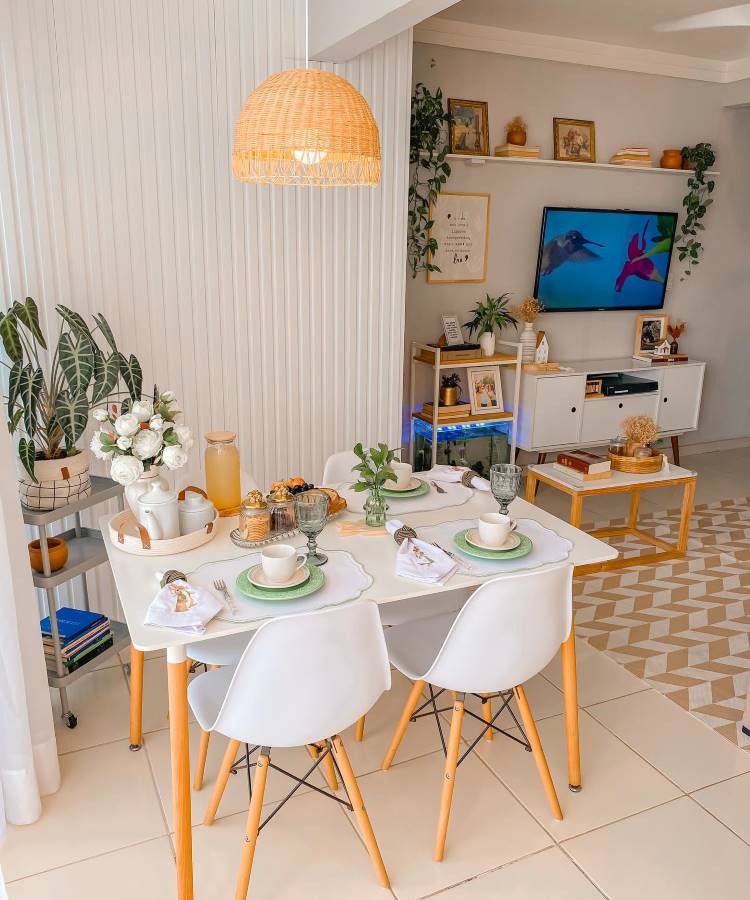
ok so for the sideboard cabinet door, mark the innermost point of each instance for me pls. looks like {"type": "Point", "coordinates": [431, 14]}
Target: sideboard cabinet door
{"type": "Point", "coordinates": [680, 399]}
{"type": "Point", "coordinates": [558, 409]}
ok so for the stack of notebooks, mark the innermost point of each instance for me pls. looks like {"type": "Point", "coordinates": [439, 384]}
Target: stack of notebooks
{"type": "Point", "coordinates": [83, 635]}
{"type": "Point", "coordinates": [448, 412]}
{"type": "Point", "coordinates": [583, 466]}
{"type": "Point", "coordinates": [633, 156]}
{"type": "Point", "coordinates": [517, 152]}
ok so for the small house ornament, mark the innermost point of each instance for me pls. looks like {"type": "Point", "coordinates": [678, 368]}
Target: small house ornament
{"type": "Point", "coordinates": [662, 349]}
{"type": "Point", "coordinates": [541, 354]}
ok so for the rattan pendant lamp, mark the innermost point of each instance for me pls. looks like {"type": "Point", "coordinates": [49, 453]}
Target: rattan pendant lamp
{"type": "Point", "coordinates": [306, 127]}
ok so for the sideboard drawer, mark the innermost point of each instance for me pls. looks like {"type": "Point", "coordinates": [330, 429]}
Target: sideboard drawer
{"type": "Point", "coordinates": [558, 409]}
{"type": "Point", "coordinates": [602, 417]}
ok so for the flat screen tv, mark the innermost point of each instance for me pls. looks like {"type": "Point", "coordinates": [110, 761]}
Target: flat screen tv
{"type": "Point", "coordinates": [594, 259]}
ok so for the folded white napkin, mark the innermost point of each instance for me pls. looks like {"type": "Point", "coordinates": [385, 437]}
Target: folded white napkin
{"type": "Point", "coordinates": [184, 607]}
{"type": "Point", "coordinates": [421, 561]}
{"type": "Point", "coordinates": [456, 473]}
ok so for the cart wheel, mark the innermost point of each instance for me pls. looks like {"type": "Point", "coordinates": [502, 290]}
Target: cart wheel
{"type": "Point", "coordinates": [70, 720]}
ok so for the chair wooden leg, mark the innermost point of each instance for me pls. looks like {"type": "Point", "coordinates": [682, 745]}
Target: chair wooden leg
{"type": "Point", "coordinates": [536, 748]}
{"type": "Point", "coordinates": [328, 768]}
{"type": "Point", "coordinates": [200, 765]}
{"type": "Point", "coordinates": [221, 781]}
{"type": "Point", "coordinates": [253, 822]}
{"type": "Point", "coordinates": [449, 778]}
{"type": "Point", "coordinates": [403, 722]}
{"type": "Point", "coordinates": [136, 698]}
{"type": "Point", "coordinates": [676, 448]}
{"type": "Point", "coordinates": [487, 716]}
{"type": "Point", "coordinates": [363, 820]}
{"type": "Point", "coordinates": [359, 734]}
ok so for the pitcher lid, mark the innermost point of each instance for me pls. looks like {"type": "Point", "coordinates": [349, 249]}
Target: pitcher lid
{"type": "Point", "coordinates": [156, 495]}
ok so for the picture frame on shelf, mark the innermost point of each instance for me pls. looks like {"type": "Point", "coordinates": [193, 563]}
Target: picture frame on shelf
{"type": "Point", "coordinates": [650, 332]}
{"type": "Point", "coordinates": [452, 330]}
{"type": "Point", "coordinates": [469, 132]}
{"type": "Point", "coordinates": [461, 227]}
{"type": "Point", "coordinates": [574, 139]}
{"type": "Point", "coordinates": [485, 390]}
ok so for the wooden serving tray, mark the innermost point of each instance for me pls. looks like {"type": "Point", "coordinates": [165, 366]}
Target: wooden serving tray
{"type": "Point", "coordinates": [128, 535]}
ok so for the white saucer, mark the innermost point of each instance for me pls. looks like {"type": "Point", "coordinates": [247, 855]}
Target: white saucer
{"type": "Point", "coordinates": [472, 537]}
{"type": "Point", "coordinates": [411, 485]}
{"type": "Point", "coordinates": [258, 577]}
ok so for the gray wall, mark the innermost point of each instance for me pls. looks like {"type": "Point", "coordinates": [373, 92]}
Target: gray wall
{"type": "Point", "coordinates": [629, 109]}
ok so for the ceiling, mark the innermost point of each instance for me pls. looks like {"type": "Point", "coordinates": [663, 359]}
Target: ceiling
{"type": "Point", "coordinates": [626, 24]}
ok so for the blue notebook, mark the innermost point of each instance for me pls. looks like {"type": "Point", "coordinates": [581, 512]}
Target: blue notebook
{"type": "Point", "coordinates": [71, 623]}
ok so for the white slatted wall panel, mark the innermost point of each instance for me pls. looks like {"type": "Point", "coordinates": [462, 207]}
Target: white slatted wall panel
{"type": "Point", "coordinates": [281, 309]}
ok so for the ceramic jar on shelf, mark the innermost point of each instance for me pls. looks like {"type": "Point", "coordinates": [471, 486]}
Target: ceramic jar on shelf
{"type": "Point", "coordinates": [527, 340]}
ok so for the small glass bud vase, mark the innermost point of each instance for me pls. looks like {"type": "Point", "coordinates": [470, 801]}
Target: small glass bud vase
{"type": "Point", "coordinates": [375, 509]}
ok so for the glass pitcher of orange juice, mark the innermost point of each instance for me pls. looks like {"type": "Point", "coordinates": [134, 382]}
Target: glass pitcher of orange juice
{"type": "Point", "coordinates": [223, 472]}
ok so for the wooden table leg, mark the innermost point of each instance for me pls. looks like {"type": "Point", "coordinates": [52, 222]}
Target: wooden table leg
{"type": "Point", "coordinates": [576, 508]}
{"type": "Point", "coordinates": [635, 502]}
{"type": "Point", "coordinates": [570, 699]}
{"type": "Point", "coordinates": [688, 498]}
{"type": "Point", "coordinates": [136, 698]}
{"type": "Point", "coordinates": [179, 743]}
{"type": "Point", "coordinates": [676, 448]}
{"type": "Point", "coordinates": [531, 486]}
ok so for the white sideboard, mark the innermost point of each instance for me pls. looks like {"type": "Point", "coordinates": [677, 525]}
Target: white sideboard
{"type": "Point", "coordinates": [554, 412]}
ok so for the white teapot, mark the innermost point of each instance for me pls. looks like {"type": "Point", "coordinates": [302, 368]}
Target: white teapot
{"type": "Point", "coordinates": [195, 510]}
{"type": "Point", "coordinates": [158, 512]}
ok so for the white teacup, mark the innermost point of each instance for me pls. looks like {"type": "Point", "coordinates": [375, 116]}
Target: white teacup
{"type": "Point", "coordinates": [402, 471]}
{"type": "Point", "coordinates": [495, 529]}
{"type": "Point", "coordinates": [280, 562]}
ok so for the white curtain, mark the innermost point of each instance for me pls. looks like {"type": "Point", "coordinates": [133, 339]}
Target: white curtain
{"type": "Point", "coordinates": [28, 752]}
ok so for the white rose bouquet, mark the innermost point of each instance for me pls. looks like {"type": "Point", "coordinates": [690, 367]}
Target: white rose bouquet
{"type": "Point", "coordinates": [142, 435]}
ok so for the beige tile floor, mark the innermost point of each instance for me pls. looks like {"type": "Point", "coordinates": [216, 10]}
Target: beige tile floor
{"type": "Point", "coordinates": [663, 813]}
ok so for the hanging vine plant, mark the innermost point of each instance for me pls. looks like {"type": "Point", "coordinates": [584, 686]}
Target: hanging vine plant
{"type": "Point", "coordinates": [696, 202]}
{"type": "Point", "coordinates": [428, 148]}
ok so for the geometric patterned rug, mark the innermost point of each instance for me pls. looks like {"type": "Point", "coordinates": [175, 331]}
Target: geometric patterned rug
{"type": "Point", "coordinates": [683, 626]}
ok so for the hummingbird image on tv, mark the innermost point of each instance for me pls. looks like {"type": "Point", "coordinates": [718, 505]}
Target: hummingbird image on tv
{"type": "Point", "coordinates": [568, 247]}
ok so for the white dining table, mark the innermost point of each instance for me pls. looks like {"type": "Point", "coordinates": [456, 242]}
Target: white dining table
{"type": "Point", "coordinates": [136, 580]}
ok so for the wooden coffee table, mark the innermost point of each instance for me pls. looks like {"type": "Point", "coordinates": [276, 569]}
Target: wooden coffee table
{"type": "Point", "coordinates": [622, 483]}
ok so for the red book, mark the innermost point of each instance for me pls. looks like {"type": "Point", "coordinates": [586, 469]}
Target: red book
{"type": "Point", "coordinates": [584, 461]}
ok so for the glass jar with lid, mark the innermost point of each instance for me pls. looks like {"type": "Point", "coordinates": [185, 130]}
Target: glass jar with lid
{"type": "Point", "coordinates": [223, 472]}
{"type": "Point", "coordinates": [281, 504]}
{"type": "Point", "coordinates": [255, 518]}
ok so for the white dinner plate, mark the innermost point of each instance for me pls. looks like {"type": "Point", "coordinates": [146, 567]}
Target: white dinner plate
{"type": "Point", "coordinates": [258, 577]}
{"type": "Point", "coordinates": [472, 537]}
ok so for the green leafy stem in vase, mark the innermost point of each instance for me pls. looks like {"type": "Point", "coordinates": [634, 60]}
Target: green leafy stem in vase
{"type": "Point", "coordinates": [374, 467]}
{"type": "Point", "coordinates": [50, 394]}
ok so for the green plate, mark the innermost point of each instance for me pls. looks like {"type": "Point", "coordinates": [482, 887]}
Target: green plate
{"type": "Point", "coordinates": [423, 488]}
{"type": "Point", "coordinates": [313, 583]}
{"type": "Point", "coordinates": [525, 547]}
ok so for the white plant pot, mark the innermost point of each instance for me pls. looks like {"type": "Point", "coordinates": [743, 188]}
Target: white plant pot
{"type": "Point", "coordinates": [487, 343]}
{"type": "Point", "coordinates": [59, 481]}
{"type": "Point", "coordinates": [134, 491]}
{"type": "Point", "coordinates": [527, 340]}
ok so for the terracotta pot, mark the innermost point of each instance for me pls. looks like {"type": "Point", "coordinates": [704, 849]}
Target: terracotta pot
{"type": "Point", "coordinates": [687, 165]}
{"type": "Point", "coordinates": [671, 159]}
{"type": "Point", "coordinates": [449, 396]}
{"type": "Point", "coordinates": [59, 481]}
{"type": "Point", "coordinates": [516, 136]}
{"type": "Point", "coordinates": [58, 554]}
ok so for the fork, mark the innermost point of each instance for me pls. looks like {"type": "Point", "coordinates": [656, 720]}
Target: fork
{"type": "Point", "coordinates": [438, 488]}
{"type": "Point", "coordinates": [221, 587]}
{"type": "Point", "coordinates": [457, 559]}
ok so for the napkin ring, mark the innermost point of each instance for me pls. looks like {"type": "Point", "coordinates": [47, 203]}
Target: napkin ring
{"type": "Point", "coordinates": [171, 575]}
{"type": "Point", "coordinates": [468, 477]}
{"type": "Point", "coordinates": [403, 534]}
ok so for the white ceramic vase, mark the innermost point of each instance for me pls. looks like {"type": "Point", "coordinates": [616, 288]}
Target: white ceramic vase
{"type": "Point", "coordinates": [134, 491]}
{"type": "Point", "coordinates": [487, 343]}
{"type": "Point", "coordinates": [527, 341]}
{"type": "Point", "coordinates": [59, 481]}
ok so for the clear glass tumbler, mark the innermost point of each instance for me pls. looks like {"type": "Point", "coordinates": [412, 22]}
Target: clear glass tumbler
{"type": "Point", "coordinates": [312, 513]}
{"type": "Point", "coordinates": [505, 480]}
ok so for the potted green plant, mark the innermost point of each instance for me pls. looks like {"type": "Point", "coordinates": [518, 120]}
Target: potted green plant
{"type": "Point", "coordinates": [374, 470]}
{"type": "Point", "coordinates": [699, 158]}
{"type": "Point", "coordinates": [450, 389]}
{"type": "Point", "coordinates": [490, 314]}
{"type": "Point", "coordinates": [50, 395]}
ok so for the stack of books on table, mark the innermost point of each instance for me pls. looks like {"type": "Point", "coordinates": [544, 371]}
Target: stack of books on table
{"type": "Point", "coordinates": [83, 635]}
{"type": "Point", "coordinates": [517, 152]}
{"type": "Point", "coordinates": [633, 156]}
{"type": "Point", "coordinates": [583, 466]}
{"type": "Point", "coordinates": [457, 411]}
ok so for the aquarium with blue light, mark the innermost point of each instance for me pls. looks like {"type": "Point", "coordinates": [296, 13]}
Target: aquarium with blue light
{"type": "Point", "coordinates": [477, 445]}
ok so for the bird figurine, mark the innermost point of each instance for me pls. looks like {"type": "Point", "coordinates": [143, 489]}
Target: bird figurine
{"type": "Point", "coordinates": [567, 247]}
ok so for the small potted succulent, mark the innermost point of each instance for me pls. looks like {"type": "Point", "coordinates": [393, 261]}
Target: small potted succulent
{"type": "Point", "coordinates": [374, 471]}
{"type": "Point", "coordinates": [450, 389]}
{"type": "Point", "coordinates": [490, 314]}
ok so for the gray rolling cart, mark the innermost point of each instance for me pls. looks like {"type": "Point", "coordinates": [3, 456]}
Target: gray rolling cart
{"type": "Point", "coordinates": [85, 551]}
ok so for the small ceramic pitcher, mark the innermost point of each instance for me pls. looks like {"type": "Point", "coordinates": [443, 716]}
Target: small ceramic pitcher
{"type": "Point", "coordinates": [158, 512]}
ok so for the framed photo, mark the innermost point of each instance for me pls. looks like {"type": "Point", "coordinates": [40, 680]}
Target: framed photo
{"type": "Point", "coordinates": [485, 390]}
{"type": "Point", "coordinates": [469, 130]}
{"type": "Point", "coordinates": [452, 330]}
{"type": "Point", "coordinates": [461, 227]}
{"type": "Point", "coordinates": [650, 331]}
{"type": "Point", "coordinates": [575, 140]}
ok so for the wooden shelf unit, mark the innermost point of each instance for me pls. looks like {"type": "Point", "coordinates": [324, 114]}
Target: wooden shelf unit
{"type": "Point", "coordinates": [499, 359]}
{"type": "Point", "coordinates": [654, 170]}
{"type": "Point", "coordinates": [487, 419]}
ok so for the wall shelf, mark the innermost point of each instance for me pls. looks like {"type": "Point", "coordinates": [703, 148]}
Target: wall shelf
{"type": "Point", "coordinates": [481, 160]}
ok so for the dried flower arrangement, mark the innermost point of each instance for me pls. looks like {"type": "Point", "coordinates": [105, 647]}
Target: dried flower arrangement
{"type": "Point", "coordinates": [676, 330]}
{"type": "Point", "coordinates": [530, 309]}
{"type": "Point", "coordinates": [640, 431]}
{"type": "Point", "coordinates": [516, 122]}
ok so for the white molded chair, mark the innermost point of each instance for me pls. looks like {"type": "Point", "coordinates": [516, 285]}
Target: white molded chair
{"type": "Point", "coordinates": [506, 633]}
{"type": "Point", "coordinates": [301, 676]}
{"type": "Point", "coordinates": [338, 468]}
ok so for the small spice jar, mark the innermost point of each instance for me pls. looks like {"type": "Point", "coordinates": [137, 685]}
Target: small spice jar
{"type": "Point", "coordinates": [255, 518]}
{"type": "Point", "coordinates": [281, 504]}
{"type": "Point", "coordinates": [618, 445]}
